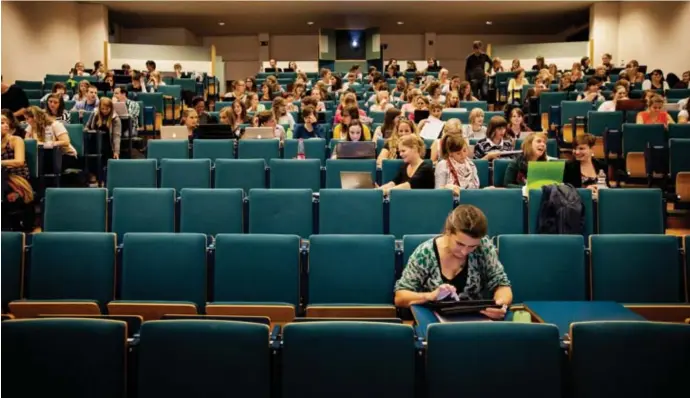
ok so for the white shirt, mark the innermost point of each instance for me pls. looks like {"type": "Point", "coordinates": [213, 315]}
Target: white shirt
{"type": "Point", "coordinates": [52, 133]}
{"type": "Point", "coordinates": [647, 84]}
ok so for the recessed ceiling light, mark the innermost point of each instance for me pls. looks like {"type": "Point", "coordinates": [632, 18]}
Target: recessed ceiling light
{"type": "Point", "coordinates": [401, 23]}
{"type": "Point", "coordinates": [221, 23]}
{"type": "Point", "coordinates": [310, 23]}
{"type": "Point", "coordinates": [489, 23]}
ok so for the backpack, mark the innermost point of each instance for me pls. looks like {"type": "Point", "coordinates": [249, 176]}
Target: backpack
{"type": "Point", "coordinates": [561, 211]}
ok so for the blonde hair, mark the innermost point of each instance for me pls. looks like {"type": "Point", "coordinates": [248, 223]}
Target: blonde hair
{"type": "Point", "coordinates": [528, 149]}
{"type": "Point", "coordinates": [395, 139]}
{"type": "Point", "coordinates": [42, 120]}
{"type": "Point", "coordinates": [414, 142]}
{"type": "Point", "coordinates": [468, 220]}
{"type": "Point", "coordinates": [476, 113]}
{"type": "Point", "coordinates": [452, 125]}
{"type": "Point", "coordinates": [229, 113]}
{"type": "Point", "coordinates": [98, 117]}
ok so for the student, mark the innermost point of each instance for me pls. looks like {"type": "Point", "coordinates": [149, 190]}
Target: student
{"type": "Point", "coordinates": [411, 104]}
{"type": "Point", "coordinates": [452, 126]}
{"type": "Point", "coordinates": [533, 150]}
{"type": "Point", "coordinates": [281, 114]}
{"type": "Point", "coordinates": [400, 88]}
{"type": "Point", "coordinates": [82, 91]}
{"type": "Point", "coordinates": [190, 119]}
{"type": "Point", "coordinates": [177, 70]}
{"type": "Point", "coordinates": [460, 263]}
{"type": "Point", "coordinates": [13, 124]}
{"type": "Point", "coordinates": [318, 95]}
{"type": "Point", "coordinates": [656, 81]}
{"type": "Point", "coordinates": [106, 121]}
{"type": "Point", "coordinates": [684, 108]}
{"type": "Point", "coordinates": [309, 129]}
{"type": "Point", "coordinates": [476, 128]}
{"type": "Point", "coordinates": [293, 65]}
{"type": "Point", "coordinates": [250, 84]}
{"type": "Point", "coordinates": [583, 171]}
{"type": "Point", "coordinates": [403, 128]}
{"type": "Point", "coordinates": [266, 93]}
{"type": "Point", "coordinates": [385, 130]}
{"type": "Point", "coordinates": [620, 93]}
{"type": "Point", "coordinates": [349, 114]}
{"type": "Point", "coordinates": [155, 80]}
{"type": "Point", "coordinates": [435, 95]}
{"type": "Point", "coordinates": [517, 124]}
{"type": "Point", "coordinates": [55, 108]}
{"type": "Point", "coordinates": [49, 133]}
{"type": "Point", "coordinates": [452, 100]}
{"type": "Point", "coordinates": [421, 104]}
{"type": "Point", "coordinates": [606, 59]}
{"type": "Point", "coordinates": [515, 86]}
{"type": "Point", "coordinates": [17, 193]}
{"type": "Point", "coordinates": [78, 70]}
{"type": "Point", "coordinates": [133, 109]}
{"type": "Point", "coordinates": [435, 111]}
{"type": "Point", "coordinates": [58, 88]}
{"type": "Point", "coordinates": [382, 102]}
{"type": "Point", "coordinates": [138, 85]}
{"type": "Point", "coordinates": [267, 119]}
{"type": "Point", "coordinates": [14, 98]}
{"type": "Point", "coordinates": [355, 133]}
{"type": "Point", "coordinates": [414, 173]}
{"type": "Point", "coordinates": [455, 171]}
{"type": "Point", "coordinates": [272, 64]}
{"type": "Point", "coordinates": [541, 64]}
{"type": "Point", "coordinates": [515, 65]}
{"type": "Point", "coordinates": [655, 113]}
{"type": "Point", "coordinates": [490, 147]}
{"type": "Point", "coordinates": [90, 102]}
{"type": "Point", "coordinates": [411, 67]}
{"type": "Point", "coordinates": [98, 70]}
{"type": "Point", "coordinates": [238, 91]}
{"type": "Point", "coordinates": [252, 103]}
{"type": "Point", "coordinates": [592, 93]}
{"type": "Point", "coordinates": [465, 92]}
{"type": "Point", "coordinates": [227, 117]}
{"type": "Point", "coordinates": [347, 100]}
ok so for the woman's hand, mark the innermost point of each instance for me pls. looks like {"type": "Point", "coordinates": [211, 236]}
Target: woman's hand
{"type": "Point", "coordinates": [495, 313]}
{"type": "Point", "coordinates": [442, 292]}
{"type": "Point", "coordinates": [493, 155]}
{"type": "Point", "coordinates": [116, 156]}
{"type": "Point", "coordinates": [454, 188]}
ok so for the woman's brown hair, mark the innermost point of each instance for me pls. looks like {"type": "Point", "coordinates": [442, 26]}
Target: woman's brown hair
{"type": "Point", "coordinates": [230, 114]}
{"type": "Point", "coordinates": [395, 139]}
{"type": "Point", "coordinates": [101, 119]}
{"type": "Point", "coordinates": [466, 219]}
{"type": "Point", "coordinates": [527, 149]}
{"type": "Point", "coordinates": [389, 122]}
{"type": "Point", "coordinates": [42, 121]}
{"type": "Point", "coordinates": [495, 123]}
{"type": "Point", "coordinates": [655, 99]}
{"type": "Point", "coordinates": [450, 143]}
{"type": "Point", "coordinates": [584, 139]}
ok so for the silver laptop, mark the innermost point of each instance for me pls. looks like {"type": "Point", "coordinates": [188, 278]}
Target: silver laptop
{"type": "Point", "coordinates": [356, 180]}
{"type": "Point", "coordinates": [120, 109]}
{"type": "Point", "coordinates": [174, 133]}
{"type": "Point", "coordinates": [258, 133]}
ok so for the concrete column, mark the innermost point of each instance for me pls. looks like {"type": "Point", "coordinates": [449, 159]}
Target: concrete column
{"type": "Point", "coordinates": [604, 19]}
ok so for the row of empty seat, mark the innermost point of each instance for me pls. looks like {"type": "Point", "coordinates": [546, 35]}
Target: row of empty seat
{"type": "Point", "coordinates": [334, 211]}
{"type": "Point", "coordinates": [338, 275]}
{"type": "Point", "coordinates": [86, 358]}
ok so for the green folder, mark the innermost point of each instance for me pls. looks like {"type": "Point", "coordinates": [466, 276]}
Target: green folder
{"type": "Point", "coordinates": [544, 173]}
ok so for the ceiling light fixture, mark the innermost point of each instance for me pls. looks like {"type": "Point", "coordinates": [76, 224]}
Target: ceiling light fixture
{"type": "Point", "coordinates": [489, 23]}
{"type": "Point", "coordinates": [401, 23]}
{"type": "Point", "coordinates": [310, 23]}
{"type": "Point", "coordinates": [221, 23]}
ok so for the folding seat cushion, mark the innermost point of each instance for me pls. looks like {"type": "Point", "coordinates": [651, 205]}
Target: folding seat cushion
{"type": "Point", "coordinates": [85, 282]}
{"type": "Point", "coordinates": [241, 261]}
{"type": "Point", "coordinates": [211, 211]}
{"type": "Point", "coordinates": [556, 274]}
{"type": "Point", "coordinates": [347, 359]}
{"type": "Point", "coordinates": [235, 358]}
{"type": "Point", "coordinates": [337, 263]}
{"type": "Point", "coordinates": [162, 273]}
{"type": "Point", "coordinates": [606, 357]}
{"type": "Point", "coordinates": [76, 210]}
{"type": "Point", "coordinates": [79, 358]}
{"type": "Point", "coordinates": [531, 351]}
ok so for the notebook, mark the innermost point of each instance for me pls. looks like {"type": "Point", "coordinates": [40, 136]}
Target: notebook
{"type": "Point", "coordinates": [544, 173]}
{"type": "Point", "coordinates": [356, 180]}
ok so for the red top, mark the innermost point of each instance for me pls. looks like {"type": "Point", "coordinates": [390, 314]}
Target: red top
{"type": "Point", "coordinates": [661, 118]}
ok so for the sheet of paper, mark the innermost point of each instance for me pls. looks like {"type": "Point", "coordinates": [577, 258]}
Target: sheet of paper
{"type": "Point", "coordinates": [432, 129]}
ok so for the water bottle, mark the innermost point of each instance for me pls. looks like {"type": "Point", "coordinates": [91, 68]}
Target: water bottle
{"type": "Point", "coordinates": [48, 138]}
{"type": "Point", "coordinates": [300, 149]}
{"type": "Point", "coordinates": [601, 179]}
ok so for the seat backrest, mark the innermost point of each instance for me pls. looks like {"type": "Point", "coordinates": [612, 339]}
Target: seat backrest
{"type": "Point", "coordinates": [410, 244]}
{"type": "Point", "coordinates": [167, 149]}
{"type": "Point", "coordinates": [573, 109]}
{"type": "Point", "coordinates": [679, 159]}
{"type": "Point", "coordinates": [500, 167]}
{"type": "Point", "coordinates": [86, 261]}
{"type": "Point", "coordinates": [281, 211]}
{"type": "Point", "coordinates": [338, 262]}
{"type": "Point", "coordinates": [240, 173]}
{"type": "Point", "coordinates": [419, 211]}
{"type": "Point", "coordinates": [131, 173]}
{"type": "Point", "coordinates": [76, 210]}
{"type": "Point", "coordinates": [13, 244]}
{"type": "Point", "coordinates": [548, 99]}
{"type": "Point", "coordinates": [44, 363]}
{"type": "Point", "coordinates": [31, 156]}
{"type": "Point", "coordinates": [335, 166]}
{"type": "Point", "coordinates": [314, 148]}
{"type": "Point", "coordinates": [258, 149]}
{"type": "Point", "coordinates": [164, 267]}
{"type": "Point", "coordinates": [679, 130]}
{"type": "Point", "coordinates": [152, 99]}
{"type": "Point", "coordinates": [214, 149]}
{"type": "Point", "coordinates": [211, 211]}
{"type": "Point", "coordinates": [347, 359]}
{"type": "Point", "coordinates": [621, 269]}
{"type": "Point", "coordinates": [615, 207]}
{"type": "Point", "coordinates": [503, 208]}
{"type": "Point", "coordinates": [556, 274]}
{"type": "Point", "coordinates": [236, 357]}
{"type": "Point", "coordinates": [602, 353]}
{"type": "Point", "coordinates": [636, 136]}
{"type": "Point", "coordinates": [296, 174]}
{"type": "Point", "coordinates": [143, 210]}
{"type": "Point", "coordinates": [598, 122]}
{"type": "Point", "coordinates": [76, 137]}
{"type": "Point", "coordinates": [532, 351]}
{"type": "Point", "coordinates": [351, 211]}
{"type": "Point", "coordinates": [185, 173]}
{"type": "Point", "coordinates": [242, 260]}
{"type": "Point", "coordinates": [535, 197]}
{"type": "Point", "coordinates": [470, 105]}
{"type": "Point", "coordinates": [390, 169]}
{"type": "Point", "coordinates": [482, 171]}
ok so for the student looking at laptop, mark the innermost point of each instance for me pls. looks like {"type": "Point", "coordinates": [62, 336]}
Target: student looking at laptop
{"type": "Point", "coordinates": [533, 150]}
{"type": "Point", "coordinates": [461, 262]}
{"type": "Point", "coordinates": [414, 173]}
{"type": "Point", "coordinates": [133, 109]}
{"type": "Point", "coordinates": [308, 129]}
{"type": "Point", "coordinates": [267, 119]}
{"type": "Point", "coordinates": [190, 119]}
{"type": "Point", "coordinates": [349, 114]}
{"type": "Point", "coordinates": [355, 133]}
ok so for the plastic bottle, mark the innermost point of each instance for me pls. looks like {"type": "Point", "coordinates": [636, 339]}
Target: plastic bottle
{"type": "Point", "coordinates": [601, 179]}
{"type": "Point", "coordinates": [300, 150]}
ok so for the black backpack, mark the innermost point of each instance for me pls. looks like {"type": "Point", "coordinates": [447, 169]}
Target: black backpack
{"type": "Point", "coordinates": [561, 211]}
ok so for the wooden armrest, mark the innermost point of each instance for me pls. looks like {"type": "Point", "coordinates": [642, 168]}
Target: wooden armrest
{"type": "Point", "coordinates": [31, 309]}
{"type": "Point", "coordinates": [662, 312]}
{"type": "Point", "coordinates": [635, 165]}
{"type": "Point", "coordinates": [383, 311]}
{"type": "Point", "coordinates": [276, 313]}
{"type": "Point", "coordinates": [150, 311]}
